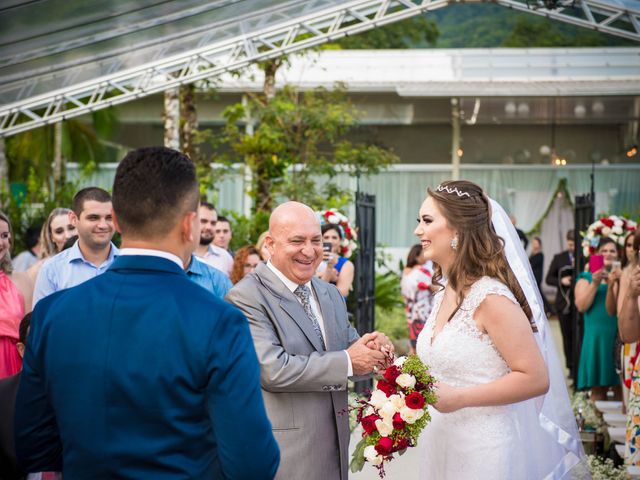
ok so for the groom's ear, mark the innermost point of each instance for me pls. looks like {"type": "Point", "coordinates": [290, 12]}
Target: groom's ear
{"type": "Point", "coordinates": [190, 227]}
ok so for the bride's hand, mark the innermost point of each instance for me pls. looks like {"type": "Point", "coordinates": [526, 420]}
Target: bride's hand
{"type": "Point", "coordinates": [448, 398]}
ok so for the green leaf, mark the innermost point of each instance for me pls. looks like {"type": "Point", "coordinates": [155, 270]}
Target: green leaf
{"type": "Point", "coordinates": [357, 459]}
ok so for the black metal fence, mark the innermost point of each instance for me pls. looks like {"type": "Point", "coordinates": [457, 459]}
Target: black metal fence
{"type": "Point", "coordinates": [584, 216]}
{"type": "Point", "coordinates": [365, 266]}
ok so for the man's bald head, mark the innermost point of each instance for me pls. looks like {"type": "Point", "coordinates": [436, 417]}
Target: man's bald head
{"type": "Point", "coordinates": [290, 212]}
{"type": "Point", "coordinates": [295, 241]}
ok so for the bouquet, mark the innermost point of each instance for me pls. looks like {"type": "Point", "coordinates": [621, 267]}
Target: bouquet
{"type": "Point", "coordinates": [612, 226]}
{"type": "Point", "coordinates": [349, 235]}
{"type": "Point", "coordinates": [394, 414]}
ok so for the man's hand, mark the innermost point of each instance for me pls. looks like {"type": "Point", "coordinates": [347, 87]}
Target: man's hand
{"type": "Point", "coordinates": [364, 359]}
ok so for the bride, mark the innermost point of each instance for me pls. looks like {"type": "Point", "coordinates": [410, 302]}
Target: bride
{"type": "Point", "coordinates": [503, 411]}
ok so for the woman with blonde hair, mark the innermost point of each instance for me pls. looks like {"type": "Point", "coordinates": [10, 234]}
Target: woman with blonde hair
{"type": "Point", "coordinates": [503, 410]}
{"type": "Point", "coordinates": [54, 234]}
{"type": "Point", "coordinates": [262, 248]}
{"type": "Point", "coordinates": [16, 290]}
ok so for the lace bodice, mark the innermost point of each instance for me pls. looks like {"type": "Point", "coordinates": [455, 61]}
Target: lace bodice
{"type": "Point", "coordinates": [462, 355]}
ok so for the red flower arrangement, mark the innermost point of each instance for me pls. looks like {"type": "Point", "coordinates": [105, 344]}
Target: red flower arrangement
{"type": "Point", "coordinates": [394, 414]}
{"type": "Point", "coordinates": [349, 237]}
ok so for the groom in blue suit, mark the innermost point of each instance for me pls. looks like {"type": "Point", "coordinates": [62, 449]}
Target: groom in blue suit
{"type": "Point", "coordinates": [141, 373]}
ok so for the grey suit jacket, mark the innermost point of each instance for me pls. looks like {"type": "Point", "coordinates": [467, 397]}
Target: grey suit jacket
{"type": "Point", "coordinates": [304, 387]}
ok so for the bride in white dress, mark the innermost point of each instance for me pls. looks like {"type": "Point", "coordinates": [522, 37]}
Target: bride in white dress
{"type": "Point", "coordinates": [503, 410]}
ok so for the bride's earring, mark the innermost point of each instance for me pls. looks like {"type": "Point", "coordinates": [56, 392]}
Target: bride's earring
{"type": "Point", "coordinates": [454, 243]}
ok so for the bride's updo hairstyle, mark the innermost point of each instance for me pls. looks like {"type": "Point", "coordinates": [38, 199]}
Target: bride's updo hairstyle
{"type": "Point", "coordinates": [480, 251]}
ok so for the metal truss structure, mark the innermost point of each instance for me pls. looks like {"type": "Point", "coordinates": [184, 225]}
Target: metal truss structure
{"type": "Point", "coordinates": [288, 36]}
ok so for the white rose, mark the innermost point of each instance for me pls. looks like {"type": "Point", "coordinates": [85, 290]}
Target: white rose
{"type": "Point", "coordinates": [598, 224]}
{"type": "Point", "coordinates": [617, 230]}
{"type": "Point", "coordinates": [378, 399]}
{"type": "Point", "coordinates": [618, 223]}
{"type": "Point", "coordinates": [333, 219]}
{"type": "Point", "coordinates": [387, 411]}
{"type": "Point", "coordinates": [411, 415]}
{"type": "Point", "coordinates": [585, 251]}
{"type": "Point", "coordinates": [371, 455]}
{"type": "Point", "coordinates": [398, 362]}
{"type": "Point", "coordinates": [606, 231]}
{"type": "Point", "coordinates": [397, 401]}
{"type": "Point", "coordinates": [406, 381]}
{"type": "Point", "coordinates": [369, 411]}
{"type": "Point", "coordinates": [385, 427]}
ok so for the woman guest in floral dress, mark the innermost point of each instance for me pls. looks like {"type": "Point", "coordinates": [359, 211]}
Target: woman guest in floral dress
{"type": "Point", "coordinates": [632, 456]}
{"type": "Point", "coordinates": [416, 288]}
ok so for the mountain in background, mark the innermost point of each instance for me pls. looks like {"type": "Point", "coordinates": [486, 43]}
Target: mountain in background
{"type": "Point", "coordinates": [490, 25]}
{"type": "Point", "coordinates": [484, 25]}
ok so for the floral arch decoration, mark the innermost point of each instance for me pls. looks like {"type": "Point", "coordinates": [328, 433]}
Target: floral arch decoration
{"type": "Point", "coordinates": [349, 243]}
{"type": "Point", "coordinates": [615, 227]}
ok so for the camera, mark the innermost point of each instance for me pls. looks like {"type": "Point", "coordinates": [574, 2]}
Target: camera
{"type": "Point", "coordinates": [326, 247]}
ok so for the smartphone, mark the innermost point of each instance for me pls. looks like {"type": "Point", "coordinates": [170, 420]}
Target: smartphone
{"type": "Point", "coordinates": [326, 247]}
{"type": "Point", "coordinates": [615, 265]}
{"type": "Point", "coordinates": [596, 262]}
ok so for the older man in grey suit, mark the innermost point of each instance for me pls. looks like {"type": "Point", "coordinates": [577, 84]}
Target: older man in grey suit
{"type": "Point", "coordinates": [306, 348]}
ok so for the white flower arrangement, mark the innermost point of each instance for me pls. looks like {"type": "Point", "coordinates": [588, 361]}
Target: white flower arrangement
{"type": "Point", "coordinates": [349, 243]}
{"type": "Point", "coordinates": [613, 226]}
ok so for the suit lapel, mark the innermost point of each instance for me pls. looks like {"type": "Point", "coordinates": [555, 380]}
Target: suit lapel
{"type": "Point", "coordinates": [289, 303]}
{"type": "Point", "coordinates": [328, 311]}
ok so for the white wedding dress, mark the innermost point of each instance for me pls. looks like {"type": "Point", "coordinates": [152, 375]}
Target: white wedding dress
{"type": "Point", "coordinates": [472, 443]}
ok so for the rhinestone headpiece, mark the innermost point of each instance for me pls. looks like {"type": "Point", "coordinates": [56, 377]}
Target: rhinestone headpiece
{"type": "Point", "coordinates": [444, 188]}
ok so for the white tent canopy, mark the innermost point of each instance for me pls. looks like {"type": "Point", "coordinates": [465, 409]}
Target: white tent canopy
{"type": "Point", "coordinates": [61, 59]}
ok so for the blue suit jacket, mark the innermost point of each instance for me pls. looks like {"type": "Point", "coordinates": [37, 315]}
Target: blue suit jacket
{"type": "Point", "coordinates": [141, 373]}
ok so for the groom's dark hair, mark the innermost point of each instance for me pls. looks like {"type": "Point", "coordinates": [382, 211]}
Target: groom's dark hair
{"type": "Point", "coordinates": [152, 189]}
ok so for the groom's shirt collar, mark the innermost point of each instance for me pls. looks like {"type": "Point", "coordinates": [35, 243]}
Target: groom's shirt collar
{"type": "Point", "coordinates": [153, 253]}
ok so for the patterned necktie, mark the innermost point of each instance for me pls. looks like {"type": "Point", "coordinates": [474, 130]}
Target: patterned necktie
{"type": "Point", "coordinates": [304, 294]}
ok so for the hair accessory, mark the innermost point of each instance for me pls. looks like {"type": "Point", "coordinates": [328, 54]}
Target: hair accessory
{"type": "Point", "coordinates": [454, 242]}
{"type": "Point", "coordinates": [444, 188]}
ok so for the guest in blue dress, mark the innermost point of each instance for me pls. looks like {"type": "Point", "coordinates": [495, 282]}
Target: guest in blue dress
{"type": "Point", "coordinates": [335, 268]}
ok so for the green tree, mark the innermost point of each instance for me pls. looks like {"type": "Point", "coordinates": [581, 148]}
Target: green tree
{"type": "Point", "coordinates": [298, 137]}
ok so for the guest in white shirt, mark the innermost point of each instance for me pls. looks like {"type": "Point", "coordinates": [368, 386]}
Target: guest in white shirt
{"type": "Point", "coordinates": [212, 254]}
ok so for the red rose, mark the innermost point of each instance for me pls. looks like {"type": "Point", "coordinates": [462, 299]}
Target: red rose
{"type": "Point", "coordinates": [627, 382]}
{"type": "Point", "coordinates": [597, 231]}
{"type": "Point", "coordinates": [423, 286]}
{"type": "Point", "coordinates": [384, 446]}
{"type": "Point", "coordinates": [414, 400]}
{"type": "Point", "coordinates": [398, 423]}
{"type": "Point", "coordinates": [401, 444]}
{"type": "Point", "coordinates": [347, 232]}
{"type": "Point", "coordinates": [369, 423]}
{"type": "Point", "coordinates": [391, 373]}
{"type": "Point", "coordinates": [387, 388]}
{"type": "Point", "coordinates": [607, 221]}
